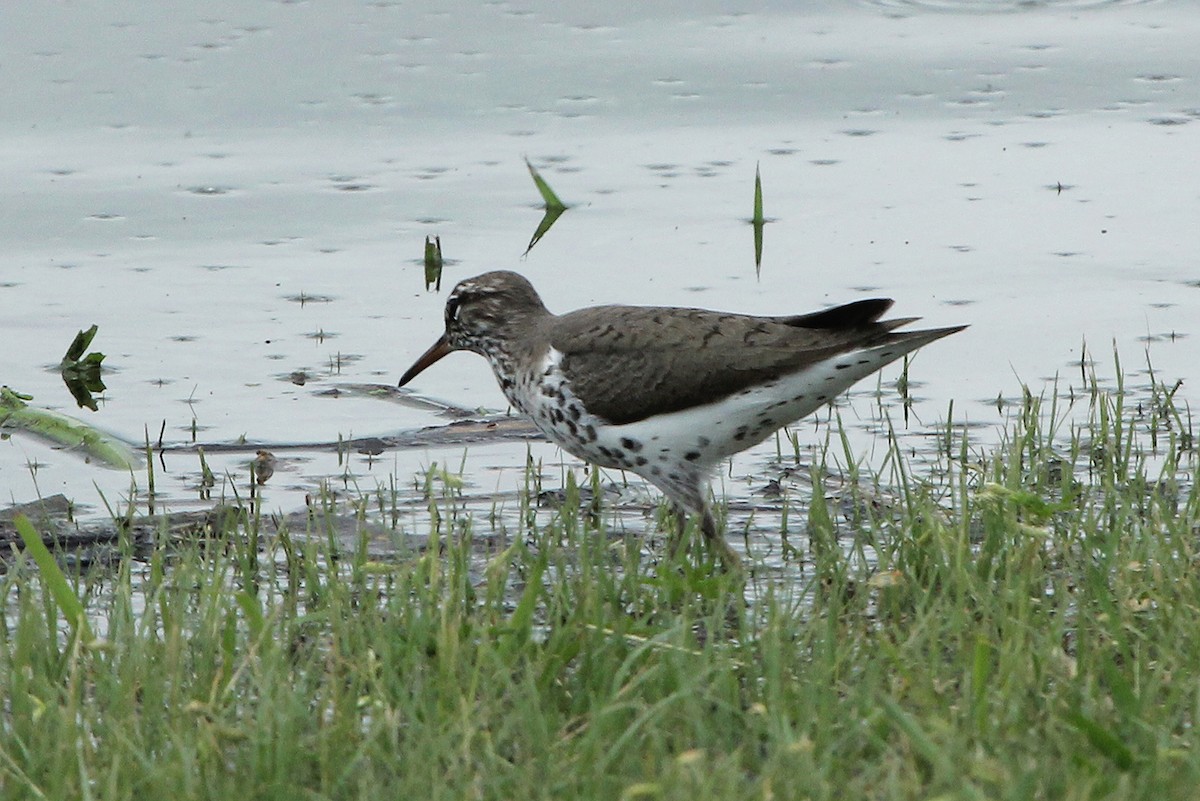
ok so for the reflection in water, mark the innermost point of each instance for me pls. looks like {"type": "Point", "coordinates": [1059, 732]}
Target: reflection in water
{"type": "Point", "coordinates": [548, 219]}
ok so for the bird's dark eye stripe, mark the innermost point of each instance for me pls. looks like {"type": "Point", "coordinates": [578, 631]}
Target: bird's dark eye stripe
{"type": "Point", "coordinates": [452, 305]}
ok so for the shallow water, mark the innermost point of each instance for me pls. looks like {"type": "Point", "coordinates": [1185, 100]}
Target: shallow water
{"type": "Point", "coordinates": [238, 195]}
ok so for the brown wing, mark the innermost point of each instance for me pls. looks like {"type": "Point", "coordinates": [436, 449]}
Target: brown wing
{"type": "Point", "coordinates": [642, 361]}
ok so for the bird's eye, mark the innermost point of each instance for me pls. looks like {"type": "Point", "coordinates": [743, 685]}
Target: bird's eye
{"type": "Point", "coordinates": [452, 306]}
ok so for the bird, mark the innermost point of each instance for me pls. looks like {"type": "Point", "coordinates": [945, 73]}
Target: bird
{"type": "Point", "coordinates": [665, 392]}
{"type": "Point", "coordinates": [263, 466]}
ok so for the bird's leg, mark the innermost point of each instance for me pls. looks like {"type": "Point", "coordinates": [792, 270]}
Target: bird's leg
{"type": "Point", "coordinates": [688, 495]}
{"type": "Point", "coordinates": [714, 538]}
{"type": "Point", "coordinates": [675, 543]}
{"type": "Point", "coordinates": [717, 542]}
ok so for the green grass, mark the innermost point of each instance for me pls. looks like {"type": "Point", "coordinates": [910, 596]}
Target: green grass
{"type": "Point", "coordinates": [1029, 627]}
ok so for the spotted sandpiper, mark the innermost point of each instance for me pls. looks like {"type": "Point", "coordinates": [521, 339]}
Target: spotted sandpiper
{"type": "Point", "coordinates": [666, 393]}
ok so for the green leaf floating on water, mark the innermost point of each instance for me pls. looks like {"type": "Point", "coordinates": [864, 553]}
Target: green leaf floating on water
{"type": "Point", "coordinates": [58, 428]}
{"type": "Point", "coordinates": [81, 373]}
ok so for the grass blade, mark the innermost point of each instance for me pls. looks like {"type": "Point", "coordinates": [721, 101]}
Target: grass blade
{"type": "Point", "coordinates": [433, 263]}
{"type": "Point", "coordinates": [758, 221]}
{"type": "Point", "coordinates": [54, 578]}
{"type": "Point", "coordinates": [551, 199]}
{"type": "Point", "coordinates": [1103, 740]}
{"type": "Point", "coordinates": [920, 741]}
